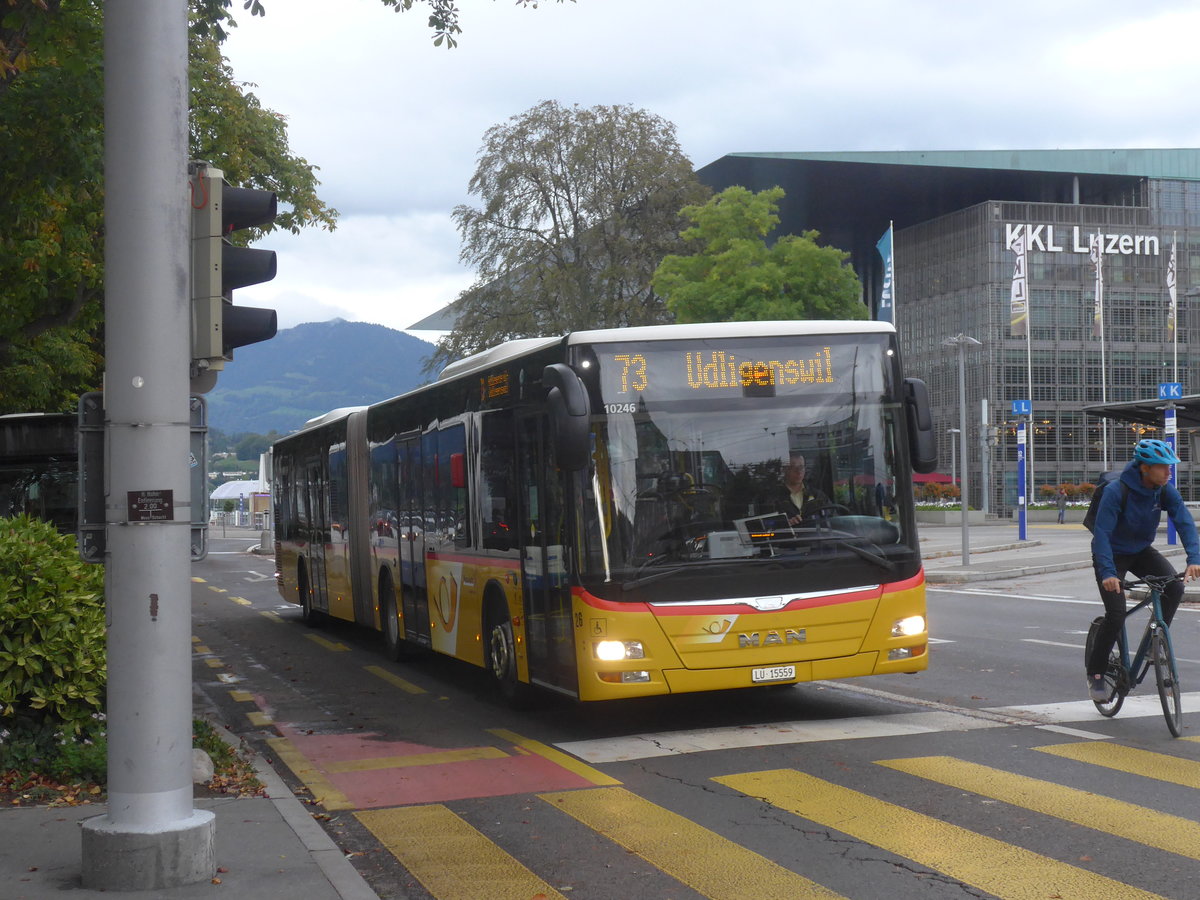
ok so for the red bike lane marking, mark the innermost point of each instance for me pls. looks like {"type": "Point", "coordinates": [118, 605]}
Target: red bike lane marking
{"type": "Point", "coordinates": [372, 772]}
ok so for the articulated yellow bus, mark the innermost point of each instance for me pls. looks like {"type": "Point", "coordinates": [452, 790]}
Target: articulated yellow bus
{"type": "Point", "coordinates": [626, 512]}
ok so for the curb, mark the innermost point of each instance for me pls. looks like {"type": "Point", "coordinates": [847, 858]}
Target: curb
{"type": "Point", "coordinates": [340, 872]}
{"type": "Point", "coordinates": [946, 576]}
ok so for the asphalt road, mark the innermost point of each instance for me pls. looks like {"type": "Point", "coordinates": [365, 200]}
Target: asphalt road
{"type": "Point", "coordinates": [988, 775]}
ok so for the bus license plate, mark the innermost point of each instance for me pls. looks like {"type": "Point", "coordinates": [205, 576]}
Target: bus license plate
{"type": "Point", "coordinates": [773, 673]}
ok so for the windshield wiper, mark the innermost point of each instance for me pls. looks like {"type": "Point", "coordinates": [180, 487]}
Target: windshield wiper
{"type": "Point", "coordinates": [683, 566]}
{"type": "Point", "coordinates": [845, 540]}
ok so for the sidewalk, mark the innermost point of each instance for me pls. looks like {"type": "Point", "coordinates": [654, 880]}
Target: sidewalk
{"type": "Point", "coordinates": [266, 849]}
{"type": "Point", "coordinates": [995, 552]}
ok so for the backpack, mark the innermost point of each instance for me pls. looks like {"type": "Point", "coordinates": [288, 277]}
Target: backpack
{"type": "Point", "coordinates": [1089, 518]}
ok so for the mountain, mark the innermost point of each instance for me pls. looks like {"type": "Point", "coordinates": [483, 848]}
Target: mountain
{"type": "Point", "coordinates": [308, 370]}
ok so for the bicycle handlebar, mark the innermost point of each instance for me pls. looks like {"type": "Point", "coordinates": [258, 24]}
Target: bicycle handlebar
{"type": "Point", "coordinates": [1154, 582]}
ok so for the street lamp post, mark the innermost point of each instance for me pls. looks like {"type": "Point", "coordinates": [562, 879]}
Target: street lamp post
{"type": "Point", "coordinates": [962, 342]}
{"type": "Point", "coordinates": [953, 454]}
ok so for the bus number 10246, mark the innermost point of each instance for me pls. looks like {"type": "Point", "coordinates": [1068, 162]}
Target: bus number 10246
{"type": "Point", "coordinates": [613, 408]}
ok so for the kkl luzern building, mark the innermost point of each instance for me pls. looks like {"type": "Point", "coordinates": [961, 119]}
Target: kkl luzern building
{"type": "Point", "coordinates": [957, 216]}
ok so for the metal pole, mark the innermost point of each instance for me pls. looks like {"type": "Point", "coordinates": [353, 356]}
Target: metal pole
{"type": "Point", "coordinates": [961, 341]}
{"type": "Point", "coordinates": [962, 444]}
{"type": "Point", "coordinates": [985, 460]}
{"type": "Point", "coordinates": [151, 837]}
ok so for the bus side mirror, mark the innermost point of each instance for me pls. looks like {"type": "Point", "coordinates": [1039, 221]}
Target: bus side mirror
{"type": "Point", "coordinates": [922, 443]}
{"type": "Point", "coordinates": [569, 414]}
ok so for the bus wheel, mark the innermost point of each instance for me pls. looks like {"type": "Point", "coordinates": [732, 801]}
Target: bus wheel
{"type": "Point", "coordinates": [308, 615]}
{"type": "Point", "coordinates": [393, 642]}
{"type": "Point", "coordinates": [502, 656]}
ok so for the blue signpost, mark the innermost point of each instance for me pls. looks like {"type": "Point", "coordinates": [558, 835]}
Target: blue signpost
{"type": "Point", "coordinates": [1170, 432]}
{"type": "Point", "coordinates": [1021, 408]}
{"type": "Point", "coordinates": [1021, 504]}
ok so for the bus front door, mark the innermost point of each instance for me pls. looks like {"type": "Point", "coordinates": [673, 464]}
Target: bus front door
{"type": "Point", "coordinates": [318, 531]}
{"type": "Point", "coordinates": [547, 590]}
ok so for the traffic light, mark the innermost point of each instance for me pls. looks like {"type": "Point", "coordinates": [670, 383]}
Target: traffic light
{"type": "Point", "coordinates": [218, 267]}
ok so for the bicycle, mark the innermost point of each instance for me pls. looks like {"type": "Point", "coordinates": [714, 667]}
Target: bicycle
{"type": "Point", "coordinates": [1121, 676]}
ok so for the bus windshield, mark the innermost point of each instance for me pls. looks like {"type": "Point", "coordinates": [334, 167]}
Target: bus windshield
{"type": "Point", "coordinates": [718, 457]}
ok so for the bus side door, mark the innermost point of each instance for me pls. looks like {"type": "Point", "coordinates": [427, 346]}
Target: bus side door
{"type": "Point", "coordinates": [542, 527]}
{"type": "Point", "coordinates": [315, 482]}
{"type": "Point", "coordinates": [414, 600]}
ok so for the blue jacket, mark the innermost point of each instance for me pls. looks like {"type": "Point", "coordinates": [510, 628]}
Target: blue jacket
{"type": "Point", "coordinates": [1133, 530]}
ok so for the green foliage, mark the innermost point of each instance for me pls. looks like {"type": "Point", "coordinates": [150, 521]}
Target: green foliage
{"type": "Point", "coordinates": [733, 275]}
{"type": "Point", "coordinates": [52, 646]}
{"type": "Point", "coordinates": [578, 205]}
{"type": "Point", "coordinates": [52, 176]}
{"type": "Point", "coordinates": [251, 446]}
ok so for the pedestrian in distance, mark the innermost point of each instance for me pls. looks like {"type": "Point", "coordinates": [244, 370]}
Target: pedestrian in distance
{"type": "Point", "coordinates": [1122, 541]}
{"type": "Point", "coordinates": [1062, 505]}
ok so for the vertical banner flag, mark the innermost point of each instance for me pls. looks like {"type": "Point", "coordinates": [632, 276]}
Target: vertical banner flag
{"type": "Point", "coordinates": [1019, 307]}
{"type": "Point", "coordinates": [1097, 258]}
{"type": "Point", "coordinates": [886, 310]}
{"type": "Point", "coordinates": [1171, 291]}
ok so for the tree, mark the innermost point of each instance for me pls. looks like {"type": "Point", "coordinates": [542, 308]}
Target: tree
{"type": "Point", "coordinates": [578, 207]}
{"type": "Point", "coordinates": [733, 275]}
{"type": "Point", "coordinates": [51, 192]}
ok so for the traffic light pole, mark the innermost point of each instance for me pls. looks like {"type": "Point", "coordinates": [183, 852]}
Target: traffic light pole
{"type": "Point", "coordinates": [151, 836]}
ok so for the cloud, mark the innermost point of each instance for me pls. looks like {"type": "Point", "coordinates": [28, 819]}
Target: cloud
{"type": "Point", "coordinates": [395, 124]}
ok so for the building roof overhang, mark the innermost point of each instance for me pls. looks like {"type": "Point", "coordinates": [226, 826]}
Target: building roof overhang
{"type": "Point", "coordinates": [1150, 412]}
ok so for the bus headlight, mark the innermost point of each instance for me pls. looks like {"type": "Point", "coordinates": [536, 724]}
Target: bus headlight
{"type": "Point", "coordinates": [909, 626]}
{"type": "Point", "coordinates": [612, 651]}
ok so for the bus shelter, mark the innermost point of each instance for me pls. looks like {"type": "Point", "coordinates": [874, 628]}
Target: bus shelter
{"type": "Point", "coordinates": [1151, 413]}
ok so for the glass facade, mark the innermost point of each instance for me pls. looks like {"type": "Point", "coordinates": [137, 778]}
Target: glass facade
{"type": "Point", "coordinates": [954, 275]}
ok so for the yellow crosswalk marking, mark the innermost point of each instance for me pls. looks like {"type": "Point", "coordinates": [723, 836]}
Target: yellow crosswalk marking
{"type": "Point", "coordinates": [394, 680]}
{"type": "Point", "coordinates": [324, 792]}
{"type": "Point", "coordinates": [1002, 869]}
{"type": "Point", "coordinates": [570, 763]}
{"type": "Point", "coordinates": [450, 858]}
{"type": "Point", "coordinates": [706, 862]}
{"type": "Point", "coordinates": [1160, 766]}
{"type": "Point", "coordinates": [1127, 820]}
{"type": "Point", "coordinates": [201, 648]}
{"type": "Point", "coordinates": [213, 663]}
{"type": "Point", "coordinates": [258, 719]}
{"type": "Point", "coordinates": [272, 615]}
{"type": "Point", "coordinates": [241, 696]}
{"type": "Point", "coordinates": [242, 601]}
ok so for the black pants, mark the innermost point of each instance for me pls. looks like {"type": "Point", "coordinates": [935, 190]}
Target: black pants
{"type": "Point", "coordinates": [1147, 562]}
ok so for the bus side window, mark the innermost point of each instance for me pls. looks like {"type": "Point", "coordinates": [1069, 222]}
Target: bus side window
{"type": "Point", "coordinates": [452, 492]}
{"type": "Point", "coordinates": [497, 503]}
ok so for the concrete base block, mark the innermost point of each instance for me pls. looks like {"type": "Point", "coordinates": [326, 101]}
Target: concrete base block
{"type": "Point", "coordinates": [168, 856]}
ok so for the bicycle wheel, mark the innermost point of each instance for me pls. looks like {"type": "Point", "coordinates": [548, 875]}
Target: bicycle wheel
{"type": "Point", "coordinates": [1167, 677]}
{"type": "Point", "coordinates": [1113, 679]}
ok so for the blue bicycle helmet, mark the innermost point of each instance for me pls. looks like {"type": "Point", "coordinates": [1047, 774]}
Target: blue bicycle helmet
{"type": "Point", "coordinates": [1153, 452]}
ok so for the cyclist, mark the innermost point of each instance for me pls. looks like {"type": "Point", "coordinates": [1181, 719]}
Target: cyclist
{"type": "Point", "coordinates": [1126, 523]}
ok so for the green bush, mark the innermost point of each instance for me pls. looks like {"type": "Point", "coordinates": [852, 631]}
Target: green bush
{"type": "Point", "coordinates": [52, 665]}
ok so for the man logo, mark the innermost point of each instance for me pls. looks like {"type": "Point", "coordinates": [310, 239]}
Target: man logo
{"type": "Point", "coordinates": [773, 638]}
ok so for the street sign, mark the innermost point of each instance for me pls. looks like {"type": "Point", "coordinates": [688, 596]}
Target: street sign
{"type": "Point", "coordinates": [1021, 407]}
{"type": "Point", "coordinates": [1170, 390]}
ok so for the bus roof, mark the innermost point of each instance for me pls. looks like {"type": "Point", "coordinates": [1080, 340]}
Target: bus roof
{"type": "Point", "coordinates": [729, 329]}
{"type": "Point", "coordinates": [332, 416]}
{"type": "Point", "coordinates": [487, 358]}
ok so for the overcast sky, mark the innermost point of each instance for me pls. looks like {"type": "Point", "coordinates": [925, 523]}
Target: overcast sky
{"type": "Point", "coordinates": [395, 124]}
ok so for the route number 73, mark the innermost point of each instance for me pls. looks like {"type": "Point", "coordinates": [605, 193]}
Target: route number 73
{"type": "Point", "coordinates": [633, 369]}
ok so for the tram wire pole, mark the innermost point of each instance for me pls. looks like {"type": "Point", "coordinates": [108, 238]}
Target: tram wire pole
{"type": "Point", "coordinates": [151, 836]}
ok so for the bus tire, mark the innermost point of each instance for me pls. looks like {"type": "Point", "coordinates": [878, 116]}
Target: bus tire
{"type": "Point", "coordinates": [393, 640]}
{"type": "Point", "coordinates": [308, 615]}
{"type": "Point", "coordinates": [502, 655]}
